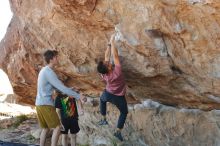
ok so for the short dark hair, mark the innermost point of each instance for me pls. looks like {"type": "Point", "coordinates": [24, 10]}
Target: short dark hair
{"type": "Point", "coordinates": [50, 54]}
{"type": "Point", "coordinates": [102, 68]}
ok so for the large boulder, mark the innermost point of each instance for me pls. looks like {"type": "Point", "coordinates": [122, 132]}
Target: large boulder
{"type": "Point", "coordinates": [169, 48]}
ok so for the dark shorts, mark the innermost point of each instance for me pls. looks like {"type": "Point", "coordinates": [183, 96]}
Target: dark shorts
{"type": "Point", "coordinates": [70, 124]}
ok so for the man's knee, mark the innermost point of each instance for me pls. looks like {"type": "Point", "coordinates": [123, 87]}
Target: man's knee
{"type": "Point", "coordinates": [65, 136]}
{"type": "Point", "coordinates": [73, 136]}
{"type": "Point", "coordinates": [104, 96]}
{"type": "Point", "coordinates": [101, 100]}
{"type": "Point", "coordinates": [123, 109]}
{"type": "Point", "coordinates": [45, 129]}
{"type": "Point", "coordinates": [124, 114]}
{"type": "Point", "coordinates": [126, 111]}
{"type": "Point", "coordinates": [57, 129]}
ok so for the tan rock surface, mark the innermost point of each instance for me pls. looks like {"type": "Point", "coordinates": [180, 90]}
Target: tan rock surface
{"type": "Point", "coordinates": [147, 124]}
{"type": "Point", "coordinates": [169, 48]}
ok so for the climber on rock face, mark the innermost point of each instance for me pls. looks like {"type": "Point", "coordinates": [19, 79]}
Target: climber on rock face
{"type": "Point", "coordinates": [115, 87]}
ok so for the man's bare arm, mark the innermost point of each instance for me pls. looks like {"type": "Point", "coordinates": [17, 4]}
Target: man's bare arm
{"type": "Point", "coordinates": [80, 107]}
{"type": "Point", "coordinates": [114, 51]}
{"type": "Point", "coordinates": [107, 53]}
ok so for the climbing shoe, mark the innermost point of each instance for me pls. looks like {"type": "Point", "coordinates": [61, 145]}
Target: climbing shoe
{"type": "Point", "coordinates": [118, 135]}
{"type": "Point", "coordinates": [102, 122]}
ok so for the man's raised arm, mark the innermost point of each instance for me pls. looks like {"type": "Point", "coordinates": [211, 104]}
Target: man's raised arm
{"type": "Point", "coordinates": [114, 51]}
{"type": "Point", "coordinates": [108, 53]}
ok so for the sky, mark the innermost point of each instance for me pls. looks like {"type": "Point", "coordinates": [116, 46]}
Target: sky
{"type": "Point", "coordinates": [5, 85]}
{"type": "Point", "coordinates": [5, 17]}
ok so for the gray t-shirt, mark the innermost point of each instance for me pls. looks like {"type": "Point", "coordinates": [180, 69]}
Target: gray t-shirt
{"type": "Point", "coordinates": [47, 82]}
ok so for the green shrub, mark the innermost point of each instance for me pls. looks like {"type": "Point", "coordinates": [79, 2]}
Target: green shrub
{"type": "Point", "coordinates": [19, 120]}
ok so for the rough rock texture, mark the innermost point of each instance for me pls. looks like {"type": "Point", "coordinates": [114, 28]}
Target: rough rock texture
{"type": "Point", "coordinates": [169, 48]}
{"type": "Point", "coordinates": [153, 124]}
{"type": "Point", "coordinates": [148, 124]}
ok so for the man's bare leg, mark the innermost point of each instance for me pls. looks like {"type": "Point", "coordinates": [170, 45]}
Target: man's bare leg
{"type": "Point", "coordinates": [43, 136]}
{"type": "Point", "coordinates": [55, 136]}
{"type": "Point", "coordinates": [73, 139]}
{"type": "Point", "coordinates": [64, 139]}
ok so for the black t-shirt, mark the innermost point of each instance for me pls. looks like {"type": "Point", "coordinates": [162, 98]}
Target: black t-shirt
{"type": "Point", "coordinates": [67, 106]}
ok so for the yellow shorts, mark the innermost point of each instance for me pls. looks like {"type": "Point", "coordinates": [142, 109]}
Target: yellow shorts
{"type": "Point", "coordinates": [47, 116]}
